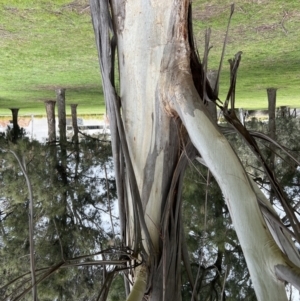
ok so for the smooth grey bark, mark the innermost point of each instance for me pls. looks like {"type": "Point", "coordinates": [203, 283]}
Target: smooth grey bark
{"type": "Point", "coordinates": [74, 122]}
{"type": "Point", "coordinates": [50, 111]}
{"type": "Point", "coordinates": [288, 274]}
{"type": "Point", "coordinates": [61, 109]}
{"type": "Point", "coordinates": [144, 188]}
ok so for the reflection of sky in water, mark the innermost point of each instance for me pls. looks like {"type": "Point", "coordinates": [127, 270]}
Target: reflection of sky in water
{"type": "Point", "coordinates": [37, 129]}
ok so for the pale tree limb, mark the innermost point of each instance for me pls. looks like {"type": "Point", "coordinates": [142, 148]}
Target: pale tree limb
{"type": "Point", "coordinates": [232, 119]}
{"type": "Point", "coordinates": [140, 284]}
{"type": "Point", "coordinates": [178, 90]}
{"type": "Point", "coordinates": [279, 232]}
{"type": "Point", "coordinates": [288, 274]}
{"type": "Point", "coordinates": [213, 149]}
{"type": "Point", "coordinates": [229, 173]}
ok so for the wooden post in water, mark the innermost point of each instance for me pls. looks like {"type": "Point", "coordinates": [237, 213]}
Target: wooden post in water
{"type": "Point", "coordinates": [50, 110]}
{"type": "Point", "coordinates": [16, 128]}
{"type": "Point", "coordinates": [74, 122]}
{"type": "Point", "coordinates": [272, 109]}
{"type": "Point", "coordinates": [284, 111]}
{"type": "Point", "coordinates": [15, 112]}
{"type": "Point", "coordinates": [62, 126]}
{"type": "Point", "coordinates": [61, 109]}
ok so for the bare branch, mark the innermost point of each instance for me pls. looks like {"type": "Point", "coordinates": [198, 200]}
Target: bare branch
{"type": "Point", "coordinates": [223, 51]}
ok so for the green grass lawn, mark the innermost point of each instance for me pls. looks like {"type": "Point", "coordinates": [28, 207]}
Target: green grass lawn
{"type": "Point", "coordinates": [268, 34]}
{"type": "Point", "coordinates": [48, 44]}
{"type": "Point", "coordinates": [44, 45]}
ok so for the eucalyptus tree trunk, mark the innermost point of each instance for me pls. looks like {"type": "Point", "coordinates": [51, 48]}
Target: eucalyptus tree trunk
{"type": "Point", "coordinates": [156, 114]}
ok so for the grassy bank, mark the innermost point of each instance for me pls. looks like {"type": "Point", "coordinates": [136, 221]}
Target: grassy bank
{"type": "Point", "coordinates": [49, 44]}
{"type": "Point", "coordinates": [44, 45]}
{"type": "Point", "coordinates": [268, 34]}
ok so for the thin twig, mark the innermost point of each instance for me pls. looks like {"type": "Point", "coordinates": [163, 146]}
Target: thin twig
{"type": "Point", "coordinates": [31, 226]}
{"type": "Point", "coordinates": [223, 50]}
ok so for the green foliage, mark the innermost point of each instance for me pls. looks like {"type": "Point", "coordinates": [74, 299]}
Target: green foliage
{"type": "Point", "coordinates": [45, 45]}
{"type": "Point", "coordinates": [215, 254]}
{"type": "Point", "coordinates": [71, 197]}
{"type": "Point", "coordinates": [286, 170]}
{"type": "Point", "coordinates": [117, 291]}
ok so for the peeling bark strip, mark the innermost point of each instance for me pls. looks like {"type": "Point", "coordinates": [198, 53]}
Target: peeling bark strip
{"type": "Point", "coordinates": [102, 24]}
{"type": "Point", "coordinates": [140, 284]}
{"type": "Point", "coordinates": [150, 147]}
